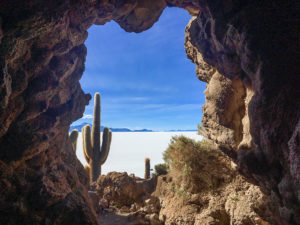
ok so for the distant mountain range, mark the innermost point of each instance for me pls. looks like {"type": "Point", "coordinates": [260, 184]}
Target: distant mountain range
{"type": "Point", "coordinates": [79, 127]}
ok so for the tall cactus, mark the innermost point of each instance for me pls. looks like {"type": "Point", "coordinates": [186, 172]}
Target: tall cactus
{"type": "Point", "coordinates": [73, 138]}
{"type": "Point", "coordinates": [94, 155]}
{"type": "Point", "coordinates": [147, 168]}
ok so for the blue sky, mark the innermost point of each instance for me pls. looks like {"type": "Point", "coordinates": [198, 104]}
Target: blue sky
{"type": "Point", "coordinates": [145, 80]}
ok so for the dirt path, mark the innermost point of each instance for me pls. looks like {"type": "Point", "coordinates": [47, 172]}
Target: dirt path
{"type": "Point", "coordinates": [114, 218]}
{"type": "Point", "coordinates": [111, 218]}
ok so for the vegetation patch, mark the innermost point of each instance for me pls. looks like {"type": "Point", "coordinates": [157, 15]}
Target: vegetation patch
{"type": "Point", "coordinates": [161, 169]}
{"type": "Point", "coordinates": [196, 166]}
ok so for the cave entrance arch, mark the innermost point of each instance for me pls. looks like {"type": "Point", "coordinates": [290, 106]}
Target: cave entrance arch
{"type": "Point", "coordinates": [42, 59]}
{"type": "Point", "coordinates": [147, 82]}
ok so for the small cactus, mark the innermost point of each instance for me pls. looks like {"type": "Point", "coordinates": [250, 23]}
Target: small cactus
{"type": "Point", "coordinates": [94, 153]}
{"type": "Point", "coordinates": [73, 138]}
{"type": "Point", "coordinates": [147, 168]}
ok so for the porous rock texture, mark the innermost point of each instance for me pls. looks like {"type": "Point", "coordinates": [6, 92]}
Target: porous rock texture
{"type": "Point", "coordinates": [130, 199]}
{"type": "Point", "coordinates": [42, 58]}
{"type": "Point", "coordinates": [223, 198]}
{"type": "Point", "coordinates": [214, 194]}
{"type": "Point", "coordinates": [254, 44]}
{"type": "Point", "coordinates": [253, 112]}
{"type": "Point", "coordinates": [122, 189]}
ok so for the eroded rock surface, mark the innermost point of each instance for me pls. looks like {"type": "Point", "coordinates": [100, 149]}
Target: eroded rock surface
{"type": "Point", "coordinates": [234, 201]}
{"type": "Point", "coordinates": [124, 190]}
{"type": "Point", "coordinates": [222, 197]}
{"type": "Point", "coordinates": [255, 44]}
{"type": "Point", "coordinates": [42, 59]}
{"type": "Point", "coordinates": [253, 112]}
{"type": "Point", "coordinates": [127, 200]}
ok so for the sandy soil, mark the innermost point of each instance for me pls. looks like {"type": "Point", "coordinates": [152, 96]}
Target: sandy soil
{"type": "Point", "coordinates": [116, 218]}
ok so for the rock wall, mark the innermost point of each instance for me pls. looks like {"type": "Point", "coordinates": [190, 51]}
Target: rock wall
{"type": "Point", "coordinates": [42, 58]}
{"type": "Point", "coordinates": [253, 112]}
{"type": "Point", "coordinates": [233, 201]}
{"type": "Point", "coordinates": [255, 44]}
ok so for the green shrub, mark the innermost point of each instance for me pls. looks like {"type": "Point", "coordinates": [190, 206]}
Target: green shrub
{"type": "Point", "coordinates": [161, 169]}
{"type": "Point", "coordinates": [195, 165]}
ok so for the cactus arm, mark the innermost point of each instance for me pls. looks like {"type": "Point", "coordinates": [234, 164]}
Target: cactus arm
{"type": "Point", "coordinates": [107, 135]}
{"type": "Point", "coordinates": [96, 123]}
{"type": "Point", "coordinates": [73, 138]}
{"type": "Point", "coordinates": [86, 143]}
{"type": "Point", "coordinates": [110, 138]}
{"type": "Point", "coordinates": [87, 158]}
{"type": "Point", "coordinates": [83, 146]}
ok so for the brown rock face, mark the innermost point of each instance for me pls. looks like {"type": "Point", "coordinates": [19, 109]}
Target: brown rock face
{"type": "Point", "coordinates": [253, 113]}
{"type": "Point", "coordinates": [124, 190]}
{"type": "Point", "coordinates": [129, 198]}
{"type": "Point", "coordinates": [232, 201]}
{"type": "Point", "coordinates": [42, 59]}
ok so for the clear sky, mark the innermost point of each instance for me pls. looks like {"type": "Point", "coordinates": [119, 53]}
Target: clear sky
{"type": "Point", "coordinates": [145, 80]}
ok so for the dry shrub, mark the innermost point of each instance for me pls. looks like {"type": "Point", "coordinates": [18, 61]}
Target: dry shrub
{"type": "Point", "coordinates": [202, 131]}
{"type": "Point", "coordinates": [197, 166]}
{"type": "Point", "coordinates": [161, 169]}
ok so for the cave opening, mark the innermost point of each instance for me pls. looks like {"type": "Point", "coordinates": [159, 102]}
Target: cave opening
{"type": "Point", "coordinates": [147, 85]}
{"type": "Point", "coordinates": [42, 56]}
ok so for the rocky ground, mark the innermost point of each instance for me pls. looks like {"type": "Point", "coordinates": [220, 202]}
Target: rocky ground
{"type": "Point", "coordinates": [161, 200]}
{"type": "Point", "coordinates": [116, 218]}
{"type": "Point", "coordinates": [123, 218]}
{"type": "Point", "coordinates": [129, 198]}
